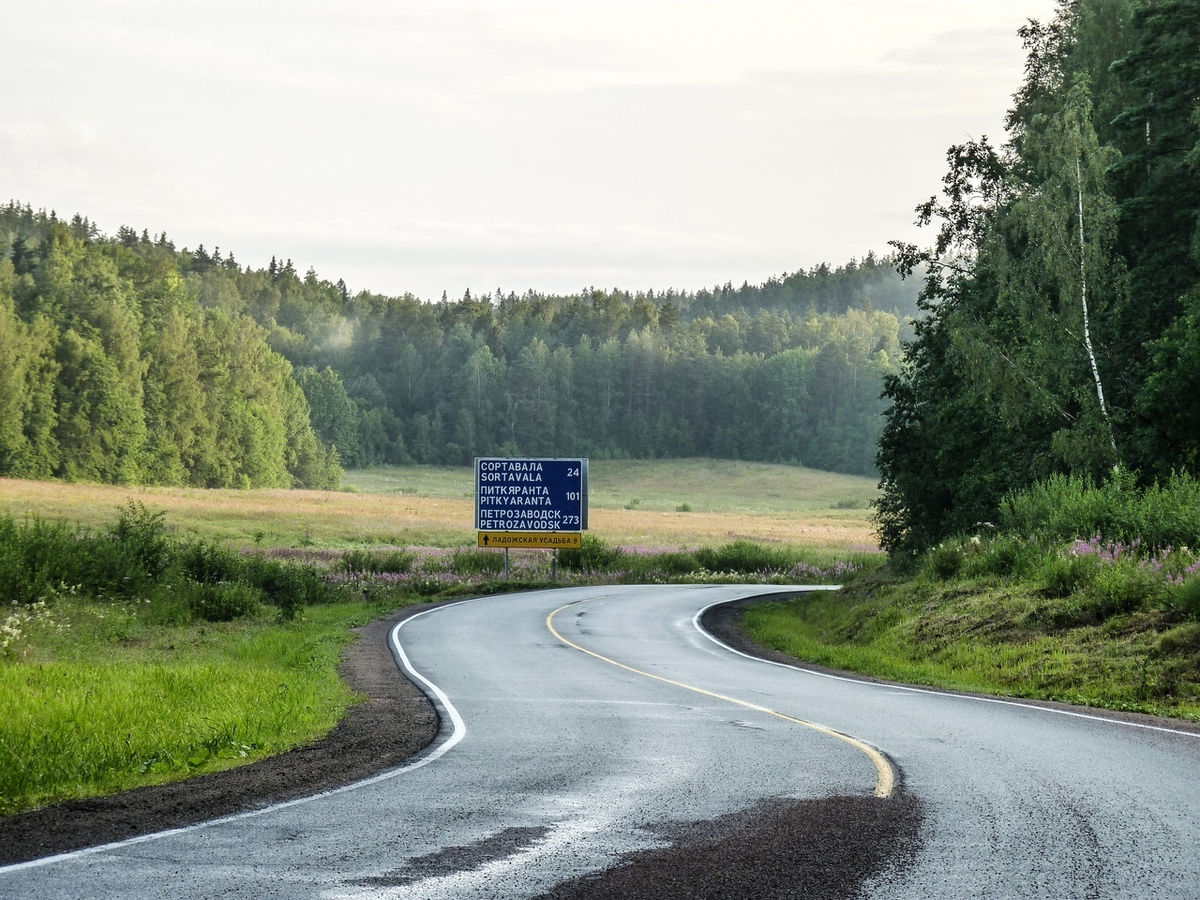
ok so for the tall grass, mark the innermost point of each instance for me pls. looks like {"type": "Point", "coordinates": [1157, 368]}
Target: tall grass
{"type": "Point", "coordinates": [1085, 593]}
{"type": "Point", "coordinates": [1063, 508]}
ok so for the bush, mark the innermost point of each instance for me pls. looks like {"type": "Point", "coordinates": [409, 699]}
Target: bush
{"type": "Point", "coordinates": [675, 564]}
{"type": "Point", "coordinates": [1184, 596]}
{"type": "Point", "coordinates": [207, 563]}
{"type": "Point", "coordinates": [1064, 575]}
{"type": "Point", "coordinates": [1006, 556]}
{"type": "Point", "coordinates": [1123, 588]}
{"type": "Point", "coordinates": [221, 602]}
{"type": "Point", "coordinates": [1066, 507]}
{"type": "Point", "coordinates": [476, 562]}
{"type": "Point", "coordinates": [30, 557]}
{"type": "Point", "coordinates": [143, 536]}
{"type": "Point", "coordinates": [944, 561]}
{"type": "Point", "coordinates": [593, 556]}
{"type": "Point", "coordinates": [743, 557]}
{"type": "Point", "coordinates": [367, 562]}
{"type": "Point", "coordinates": [289, 586]}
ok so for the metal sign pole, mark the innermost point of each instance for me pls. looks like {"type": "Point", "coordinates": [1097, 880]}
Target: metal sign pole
{"type": "Point", "coordinates": [506, 564]}
{"type": "Point", "coordinates": [554, 565]}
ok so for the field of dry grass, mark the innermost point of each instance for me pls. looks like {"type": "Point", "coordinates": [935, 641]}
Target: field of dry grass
{"type": "Point", "coordinates": [633, 503]}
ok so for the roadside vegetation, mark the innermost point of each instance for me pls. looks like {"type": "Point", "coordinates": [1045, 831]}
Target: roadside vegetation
{"type": "Point", "coordinates": [1088, 594]}
{"type": "Point", "coordinates": [1038, 498]}
{"type": "Point", "coordinates": [132, 654]}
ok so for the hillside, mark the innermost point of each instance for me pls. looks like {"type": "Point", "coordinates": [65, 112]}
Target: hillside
{"type": "Point", "coordinates": [127, 360]}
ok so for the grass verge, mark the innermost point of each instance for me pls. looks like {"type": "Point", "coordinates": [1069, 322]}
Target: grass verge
{"type": "Point", "coordinates": [98, 698]}
{"type": "Point", "coordinates": [1100, 637]}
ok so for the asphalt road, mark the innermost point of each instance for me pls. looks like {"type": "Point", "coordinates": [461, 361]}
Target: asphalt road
{"type": "Point", "coordinates": [585, 724]}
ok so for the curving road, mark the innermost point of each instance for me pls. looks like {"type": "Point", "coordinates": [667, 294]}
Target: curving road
{"type": "Point", "coordinates": [583, 724]}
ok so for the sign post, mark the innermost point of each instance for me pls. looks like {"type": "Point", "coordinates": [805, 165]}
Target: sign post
{"type": "Point", "coordinates": [531, 503]}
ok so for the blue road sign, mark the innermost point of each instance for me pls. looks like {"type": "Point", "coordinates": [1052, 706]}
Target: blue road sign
{"type": "Point", "coordinates": [530, 494]}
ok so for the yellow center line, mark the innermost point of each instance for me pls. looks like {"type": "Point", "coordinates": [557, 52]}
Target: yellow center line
{"type": "Point", "coordinates": [885, 782]}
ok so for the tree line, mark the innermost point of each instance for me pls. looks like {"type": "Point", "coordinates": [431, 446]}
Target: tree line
{"type": "Point", "coordinates": [1060, 332]}
{"type": "Point", "coordinates": [125, 359]}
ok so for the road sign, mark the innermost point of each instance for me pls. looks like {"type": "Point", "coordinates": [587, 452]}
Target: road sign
{"type": "Point", "coordinates": [532, 540]}
{"type": "Point", "coordinates": [530, 495]}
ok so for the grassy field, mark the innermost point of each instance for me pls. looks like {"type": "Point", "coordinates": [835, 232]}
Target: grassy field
{"type": "Point", "coordinates": [660, 504]}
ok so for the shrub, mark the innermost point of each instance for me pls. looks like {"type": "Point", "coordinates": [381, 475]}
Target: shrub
{"type": "Point", "coordinates": [1185, 596]}
{"type": "Point", "coordinates": [1005, 556]}
{"type": "Point", "coordinates": [398, 562]}
{"type": "Point", "coordinates": [30, 558]}
{"type": "Point", "coordinates": [221, 602]}
{"type": "Point", "coordinates": [1066, 507]}
{"type": "Point", "coordinates": [143, 536]}
{"type": "Point", "coordinates": [476, 562]}
{"type": "Point", "coordinates": [207, 563]}
{"type": "Point", "coordinates": [674, 564]}
{"type": "Point", "coordinates": [289, 586]}
{"type": "Point", "coordinates": [944, 561]}
{"type": "Point", "coordinates": [743, 557]}
{"type": "Point", "coordinates": [1064, 575]}
{"type": "Point", "coordinates": [593, 556]}
{"type": "Point", "coordinates": [1123, 588]}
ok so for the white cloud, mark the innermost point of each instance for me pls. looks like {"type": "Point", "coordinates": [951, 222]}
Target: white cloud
{"type": "Point", "coordinates": [430, 144]}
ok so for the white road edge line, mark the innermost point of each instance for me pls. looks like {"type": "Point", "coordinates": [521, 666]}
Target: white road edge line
{"type": "Point", "coordinates": [402, 661]}
{"type": "Point", "coordinates": [916, 690]}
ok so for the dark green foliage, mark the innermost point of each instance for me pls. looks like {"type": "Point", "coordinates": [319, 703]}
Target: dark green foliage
{"type": "Point", "coordinates": [143, 535]}
{"type": "Point", "coordinates": [1186, 599]}
{"type": "Point", "coordinates": [40, 561]}
{"type": "Point", "coordinates": [1004, 556]}
{"type": "Point", "coordinates": [207, 563]}
{"type": "Point", "coordinates": [1066, 507]}
{"type": "Point", "coordinates": [1060, 332]}
{"type": "Point", "coordinates": [944, 561]}
{"type": "Point", "coordinates": [375, 561]}
{"type": "Point", "coordinates": [134, 362]}
{"type": "Point", "coordinates": [36, 557]}
{"type": "Point", "coordinates": [593, 556]}
{"type": "Point", "coordinates": [477, 562]}
{"type": "Point", "coordinates": [220, 602]}
{"type": "Point", "coordinates": [743, 557]}
{"type": "Point", "coordinates": [1065, 575]}
{"type": "Point", "coordinates": [676, 564]}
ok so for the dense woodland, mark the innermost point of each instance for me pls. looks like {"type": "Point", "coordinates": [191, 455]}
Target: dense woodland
{"type": "Point", "coordinates": [125, 359]}
{"type": "Point", "coordinates": [1062, 294]}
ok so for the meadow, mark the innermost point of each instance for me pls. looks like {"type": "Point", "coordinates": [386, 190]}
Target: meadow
{"type": "Point", "coordinates": [663, 504]}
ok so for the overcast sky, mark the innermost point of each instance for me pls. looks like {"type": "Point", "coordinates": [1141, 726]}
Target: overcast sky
{"type": "Point", "coordinates": [430, 145]}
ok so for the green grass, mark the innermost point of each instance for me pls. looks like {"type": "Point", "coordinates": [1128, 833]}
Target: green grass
{"type": "Point", "coordinates": [993, 635]}
{"type": "Point", "coordinates": [703, 485]}
{"type": "Point", "coordinates": [98, 698]}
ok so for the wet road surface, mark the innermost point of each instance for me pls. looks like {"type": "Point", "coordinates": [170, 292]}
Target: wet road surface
{"type": "Point", "coordinates": [585, 724]}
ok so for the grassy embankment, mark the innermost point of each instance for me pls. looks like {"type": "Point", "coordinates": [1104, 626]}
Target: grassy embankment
{"type": "Point", "coordinates": [145, 648]}
{"type": "Point", "coordinates": [1110, 621]}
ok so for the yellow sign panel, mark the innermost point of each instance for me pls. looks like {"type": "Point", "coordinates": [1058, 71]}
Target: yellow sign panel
{"type": "Point", "coordinates": [532, 540]}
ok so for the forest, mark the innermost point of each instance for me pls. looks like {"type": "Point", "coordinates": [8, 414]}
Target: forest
{"type": "Point", "coordinates": [124, 359]}
{"type": "Point", "coordinates": [1060, 326]}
